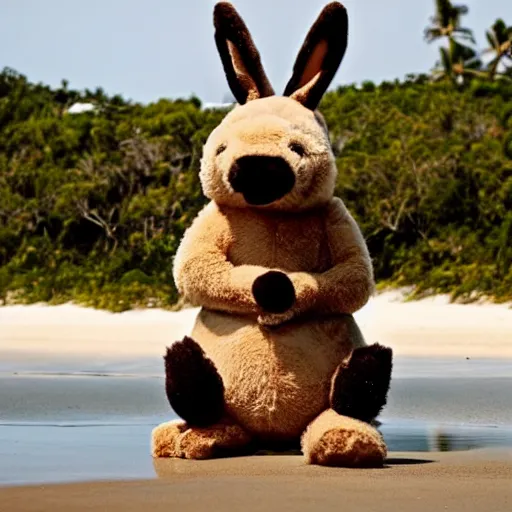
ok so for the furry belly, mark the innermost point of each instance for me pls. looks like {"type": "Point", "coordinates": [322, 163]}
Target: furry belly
{"type": "Point", "coordinates": [276, 380]}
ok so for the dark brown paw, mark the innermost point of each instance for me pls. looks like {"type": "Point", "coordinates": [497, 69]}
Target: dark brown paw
{"type": "Point", "coordinates": [361, 386]}
{"type": "Point", "coordinates": [274, 292]}
{"type": "Point", "coordinates": [193, 385]}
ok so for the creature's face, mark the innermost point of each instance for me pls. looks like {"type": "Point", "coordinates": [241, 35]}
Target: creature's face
{"type": "Point", "coordinates": [270, 153]}
{"type": "Point", "coordinates": [273, 152]}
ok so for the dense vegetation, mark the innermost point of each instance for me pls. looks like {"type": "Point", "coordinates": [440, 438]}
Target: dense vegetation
{"type": "Point", "coordinates": [93, 205]}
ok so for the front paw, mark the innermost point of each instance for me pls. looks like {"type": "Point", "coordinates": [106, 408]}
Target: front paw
{"type": "Point", "coordinates": [274, 292]}
{"type": "Point", "coordinates": [193, 385]}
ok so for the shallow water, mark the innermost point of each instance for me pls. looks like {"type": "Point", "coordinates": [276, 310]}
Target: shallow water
{"type": "Point", "coordinates": [82, 420]}
{"type": "Point", "coordinates": [42, 453]}
{"type": "Point", "coordinates": [404, 436]}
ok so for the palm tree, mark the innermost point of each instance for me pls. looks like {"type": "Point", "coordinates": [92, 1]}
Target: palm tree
{"type": "Point", "coordinates": [446, 22]}
{"type": "Point", "coordinates": [500, 41]}
{"type": "Point", "coordinates": [459, 63]}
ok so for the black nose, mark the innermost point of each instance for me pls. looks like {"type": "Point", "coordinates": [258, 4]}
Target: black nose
{"type": "Point", "coordinates": [261, 179]}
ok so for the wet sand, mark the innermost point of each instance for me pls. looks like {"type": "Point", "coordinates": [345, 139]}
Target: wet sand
{"type": "Point", "coordinates": [410, 481]}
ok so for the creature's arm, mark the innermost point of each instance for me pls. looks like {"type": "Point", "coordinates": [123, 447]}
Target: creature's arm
{"type": "Point", "coordinates": [347, 285]}
{"type": "Point", "coordinates": [204, 275]}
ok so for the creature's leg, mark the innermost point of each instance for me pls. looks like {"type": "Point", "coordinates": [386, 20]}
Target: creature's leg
{"type": "Point", "coordinates": [177, 439]}
{"type": "Point", "coordinates": [196, 393]}
{"type": "Point", "coordinates": [342, 436]}
{"type": "Point", "coordinates": [193, 385]}
{"type": "Point", "coordinates": [360, 385]}
{"type": "Point", "coordinates": [335, 440]}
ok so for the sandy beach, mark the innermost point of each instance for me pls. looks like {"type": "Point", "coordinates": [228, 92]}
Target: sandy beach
{"type": "Point", "coordinates": [81, 389]}
{"type": "Point", "coordinates": [410, 481]}
{"type": "Point", "coordinates": [426, 328]}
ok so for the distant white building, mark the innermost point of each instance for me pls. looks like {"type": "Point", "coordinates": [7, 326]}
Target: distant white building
{"type": "Point", "coordinates": [210, 105]}
{"type": "Point", "coordinates": [79, 108]}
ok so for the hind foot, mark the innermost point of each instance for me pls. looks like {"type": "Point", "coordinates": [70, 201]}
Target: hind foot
{"type": "Point", "coordinates": [335, 440]}
{"type": "Point", "coordinates": [177, 439]}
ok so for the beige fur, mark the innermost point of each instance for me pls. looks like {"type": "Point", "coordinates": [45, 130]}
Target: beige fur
{"type": "Point", "coordinates": [321, 250]}
{"type": "Point", "coordinates": [334, 440]}
{"type": "Point", "coordinates": [266, 127]}
{"type": "Point", "coordinates": [176, 439]}
{"type": "Point", "coordinates": [277, 369]}
{"type": "Point", "coordinates": [276, 380]}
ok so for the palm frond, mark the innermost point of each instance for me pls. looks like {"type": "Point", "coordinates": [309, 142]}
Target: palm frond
{"type": "Point", "coordinates": [443, 12]}
{"type": "Point", "coordinates": [499, 30]}
{"type": "Point", "coordinates": [492, 40]}
{"type": "Point", "coordinates": [432, 33]}
{"type": "Point", "coordinates": [465, 33]}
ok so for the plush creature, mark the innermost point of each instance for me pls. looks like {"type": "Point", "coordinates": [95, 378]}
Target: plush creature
{"type": "Point", "coordinates": [279, 266]}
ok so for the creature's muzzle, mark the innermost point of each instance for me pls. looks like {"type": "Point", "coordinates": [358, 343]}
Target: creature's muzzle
{"type": "Point", "coordinates": [261, 179]}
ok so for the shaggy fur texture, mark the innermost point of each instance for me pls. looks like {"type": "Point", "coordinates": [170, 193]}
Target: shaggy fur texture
{"type": "Point", "coordinates": [278, 265]}
{"type": "Point", "coordinates": [334, 440]}
{"type": "Point", "coordinates": [193, 386]}
{"type": "Point", "coordinates": [177, 439]}
{"type": "Point", "coordinates": [276, 379]}
{"type": "Point", "coordinates": [321, 251]}
{"type": "Point", "coordinates": [359, 387]}
{"type": "Point", "coordinates": [271, 127]}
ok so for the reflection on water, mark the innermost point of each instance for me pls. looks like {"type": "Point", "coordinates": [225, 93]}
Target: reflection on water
{"type": "Point", "coordinates": [425, 437]}
{"type": "Point", "coordinates": [39, 452]}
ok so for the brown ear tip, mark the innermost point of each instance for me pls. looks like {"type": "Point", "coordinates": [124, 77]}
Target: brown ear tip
{"type": "Point", "coordinates": [335, 10]}
{"type": "Point", "coordinates": [226, 16]}
{"type": "Point", "coordinates": [226, 5]}
{"type": "Point", "coordinates": [333, 17]}
{"type": "Point", "coordinates": [222, 9]}
{"type": "Point", "coordinates": [336, 6]}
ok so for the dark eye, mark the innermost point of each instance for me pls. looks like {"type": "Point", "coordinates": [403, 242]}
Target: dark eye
{"type": "Point", "coordinates": [220, 149]}
{"type": "Point", "coordinates": [297, 148]}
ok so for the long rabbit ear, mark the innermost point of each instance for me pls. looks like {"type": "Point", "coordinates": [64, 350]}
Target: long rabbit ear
{"type": "Point", "coordinates": [320, 56]}
{"type": "Point", "coordinates": [239, 55]}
